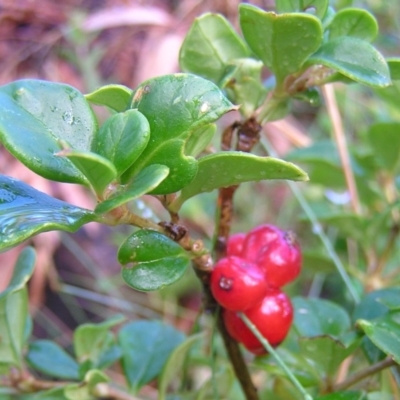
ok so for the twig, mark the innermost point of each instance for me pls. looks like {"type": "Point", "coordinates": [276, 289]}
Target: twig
{"type": "Point", "coordinates": [340, 139]}
{"type": "Point", "coordinates": [365, 373]}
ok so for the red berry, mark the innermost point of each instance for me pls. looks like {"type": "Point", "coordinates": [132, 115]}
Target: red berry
{"type": "Point", "coordinates": [272, 317]}
{"type": "Point", "coordinates": [234, 247]}
{"type": "Point", "coordinates": [237, 284]}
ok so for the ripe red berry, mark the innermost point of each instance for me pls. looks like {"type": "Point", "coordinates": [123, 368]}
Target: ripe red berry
{"type": "Point", "coordinates": [272, 317]}
{"type": "Point", "coordinates": [237, 284]}
{"type": "Point", "coordinates": [234, 247]}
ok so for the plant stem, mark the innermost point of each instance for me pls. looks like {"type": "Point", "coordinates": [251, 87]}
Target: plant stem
{"type": "Point", "coordinates": [277, 357]}
{"type": "Point", "coordinates": [365, 373]}
{"type": "Point", "coordinates": [340, 138]}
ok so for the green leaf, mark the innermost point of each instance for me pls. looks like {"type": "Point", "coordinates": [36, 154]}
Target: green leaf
{"type": "Point", "coordinates": [52, 394]}
{"type": "Point", "coordinates": [344, 396]}
{"type": "Point", "coordinates": [209, 46]}
{"type": "Point", "coordinates": [232, 168]}
{"type": "Point", "coordinates": [24, 212]}
{"type": "Point", "coordinates": [97, 170]}
{"type": "Point", "coordinates": [394, 67]}
{"type": "Point", "coordinates": [176, 362]}
{"type": "Point", "coordinates": [157, 260]}
{"type": "Point", "coordinates": [354, 22]}
{"type": "Point", "coordinates": [84, 390]}
{"type": "Point", "coordinates": [282, 42]}
{"type": "Point", "coordinates": [288, 6]}
{"type": "Point", "coordinates": [317, 262]}
{"type": "Point", "coordinates": [50, 359]}
{"type": "Point", "coordinates": [144, 182]}
{"type": "Point", "coordinates": [146, 346]}
{"type": "Point", "coordinates": [37, 115]}
{"type": "Point", "coordinates": [354, 58]}
{"type": "Point", "coordinates": [384, 332]}
{"type": "Point", "coordinates": [122, 138]}
{"type": "Point", "coordinates": [316, 317]}
{"type": "Point", "coordinates": [385, 141]}
{"type": "Point", "coordinates": [200, 139]}
{"type": "Point", "coordinates": [91, 341]}
{"type": "Point", "coordinates": [175, 106]}
{"type": "Point", "coordinates": [117, 97]}
{"type": "Point", "coordinates": [14, 311]}
{"type": "Point", "coordinates": [243, 85]}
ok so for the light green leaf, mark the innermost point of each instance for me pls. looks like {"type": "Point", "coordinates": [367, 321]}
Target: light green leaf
{"type": "Point", "coordinates": [394, 66]}
{"type": "Point", "coordinates": [157, 260]}
{"type": "Point", "coordinates": [200, 139]}
{"type": "Point", "coordinates": [175, 106]}
{"type": "Point", "coordinates": [355, 59]}
{"type": "Point", "coordinates": [354, 22]}
{"type": "Point", "coordinates": [289, 6]}
{"type": "Point", "coordinates": [144, 182]}
{"type": "Point", "coordinates": [116, 97]}
{"type": "Point", "coordinates": [84, 390]}
{"type": "Point", "coordinates": [209, 46]}
{"type": "Point", "coordinates": [232, 168]}
{"type": "Point", "coordinates": [36, 116]}
{"type": "Point", "coordinates": [24, 212]}
{"type": "Point", "coordinates": [146, 347]}
{"type": "Point", "coordinates": [283, 42]}
{"type": "Point", "coordinates": [122, 138]}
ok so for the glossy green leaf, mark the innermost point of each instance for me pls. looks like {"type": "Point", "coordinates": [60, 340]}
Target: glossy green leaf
{"type": "Point", "coordinates": [35, 116]}
{"type": "Point", "coordinates": [85, 390]}
{"type": "Point", "coordinates": [384, 138]}
{"type": "Point", "coordinates": [354, 22]}
{"type": "Point", "coordinates": [14, 311]}
{"type": "Point", "coordinates": [176, 362]}
{"type": "Point", "coordinates": [209, 46]}
{"type": "Point", "coordinates": [91, 341]}
{"type": "Point", "coordinates": [394, 67]}
{"type": "Point", "coordinates": [355, 59]}
{"type": "Point", "coordinates": [146, 346]}
{"type": "Point", "coordinates": [325, 353]}
{"type": "Point", "coordinates": [384, 332]}
{"type": "Point", "coordinates": [144, 182]}
{"type": "Point", "coordinates": [50, 359]}
{"type": "Point", "coordinates": [200, 139]}
{"type": "Point", "coordinates": [283, 42]}
{"type": "Point", "coordinates": [97, 170]}
{"type": "Point", "coordinates": [24, 212]}
{"type": "Point", "coordinates": [117, 97]}
{"type": "Point", "coordinates": [316, 317]}
{"type": "Point", "coordinates": [232, 168]}
{"type": "Point", "coordinates": [243, 85]}
{"type": "Point", "coordinates": [175, 106]}
{"type": "Point", "coordinates": [349, 395]}
{"type": "Point", "coordinates": [122, 138]}
{"type": "Point", "coordinates": [288, 6]}
{"type": "Point", "coordinates": [157, 260]}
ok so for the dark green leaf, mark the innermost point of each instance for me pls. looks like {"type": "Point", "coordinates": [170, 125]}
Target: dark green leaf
{"type": "Point", "coordinates": [232, 168]}
{"type": "Point", "coordinates": [91, 341]}
{"type": "Point", "coordinates": [394, 67]}
{"type": "Point", "coordinates": [24, 212]}
{"type": "Point", "coordinates": [116, 97]}
{"type": "Point", "coordinates": [122, 138]}
{"type": "Point", "coordinates": [200, 139]}
{"type": "Point", "coordinates": [316, 317]}
{"type": "Point", "coordinates": [354, 22]}
{"type": "Point", "coordinates": [36, 116]}
{"type": "Point", "coordinates": [14, 311]}
{"type": "Point", "coordinates": [50, 359]}
{"type": "Point", "coordinates": [354, 58]}
{"type": "Point", "coordinates": [144, 182]}
{"type": "Point", "coordinates": [175, 363]}
{"type": "Point", "coordinates": [209, 46]}
{"type": "Point", "coordinates": [384, 332]}
{"type": "Point", "coordinates": [157, 260]}
{"type": "Point", "coordinates": [282, 42]}
{"type": "Point", "coordinates": [146, 347]}
{"type": "Point", "coordinates": [344, 396]}
{"type": "Point", "coordinates": [175, 106]}
{"type": "Point", "coordinates": [97, 170]}
{"type": "Point", "coordinates": [385, 141]}
{"type": "Point", "coordinates": [287, 6]}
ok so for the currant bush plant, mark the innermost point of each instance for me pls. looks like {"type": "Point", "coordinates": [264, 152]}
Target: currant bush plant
{"type": "Point", "coordinates": [164, 139]}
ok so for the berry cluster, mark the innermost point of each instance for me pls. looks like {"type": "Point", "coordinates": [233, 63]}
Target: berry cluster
{"type": "Point", "coordinates": [249, 279]}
